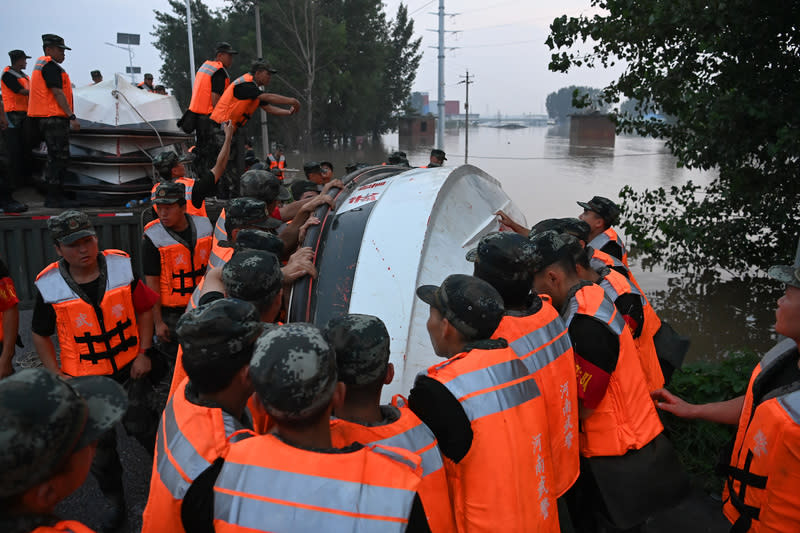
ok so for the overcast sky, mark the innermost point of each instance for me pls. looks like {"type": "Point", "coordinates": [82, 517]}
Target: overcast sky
{"type": "Point", "coordinates": [500, 42]}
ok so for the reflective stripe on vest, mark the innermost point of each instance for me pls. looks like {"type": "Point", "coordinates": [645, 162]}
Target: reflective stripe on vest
{"type": "Point", "coordinates": [201, 91]}
{"type": "Point", "coordinates": [607, 236]}
{"type": "Point", "coordinates": [260, 498]}
{"type": "Point", "coordinates": [41, 100]}
{"type": "Point", "coordinates": [219, 254]}
{"type": "Point", "coordinates": [615, 287]}
{"type": "Point", "coordinates": [231, 108]}
{"type": "Point", "coordinates": [421, 441]}
{"type": "Point", "coordinates": [604, 310]}
{"type": "Point", "coordinates": [14, 101]}
{"type": "Point", "coordinates": [542, 346]}
{"type": "Point", "coordinates": [88, 345]}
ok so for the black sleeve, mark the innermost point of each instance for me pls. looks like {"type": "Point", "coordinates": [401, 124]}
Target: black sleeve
{"type": "Point", "coordinates": [209, 297]}
{"type": "Point", "coordinates": [197, 509]}
{"type": "Point", "coordinates": [218, 80]}
{"type": "Point", "coordinates": [151, 258]}
{"type": "Point", "coordinates": [613, 249]}
{"type": "Point", "coordinates": [622, 270]}
{"type": "Point", "coordinates": [51, 73]}
{"type": "Point", "coordinates": [247, 91]}
{"type": "Point", "coordinates": [203, 186]}
{"type": "Point", "coordinates": [593, 341]}
{"type": "Point", "coordinates": [434, 405]}
{"type": "Point", "coordinates": [631, 305]}
{"type": "Point", "coordinates": [4, 273]}
{"type": "Point", "coordinates": [44, 317]}
{"type": "Point", "coordinates": [12, 82]}
{"type": "Point", "coordinates": [417, 521]}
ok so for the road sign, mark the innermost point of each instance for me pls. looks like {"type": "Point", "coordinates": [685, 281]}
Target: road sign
{"type": "Point", "coordinates": [128, 38]}
{"type": "Point", "coordinates": [133, 70]}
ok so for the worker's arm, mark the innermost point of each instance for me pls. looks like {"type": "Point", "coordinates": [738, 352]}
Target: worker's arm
{"type": "Point", "coordinates": [214, 99]}
{"type": "Point", "coordinates": [224, 152]}
{"type": "Point", "coordinates": [3, 119]}
{"type": "Point", "coordinates": [61, 99]}
{"type": "Point", "coordinates": [43, 326]}
{"type": "Point", "coordinates": [47, 352]}
{"type": "Point", "coordinates": [727, 412]}
{"type": "Point", "coordinates": [278, 111]}
{"type": "Point", "coordinates": [10, 332]}
{"type": "Point", "coordinates": [160, 327]}
{"type": "Point", "coordinates": [279, 99]}
{"type": "Point", "coordinates": [291, 234]}
{"type": "Point", "coordinates": [514, 226]}
{"type": "Point", "coordinates": [142, 364]}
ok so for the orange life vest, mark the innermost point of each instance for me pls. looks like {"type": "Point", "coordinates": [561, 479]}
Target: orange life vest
{"type": "Point", "coordinates": [262, 423]}
{"type": "Point", "coordinates": [144, 86]}
{"type": "Point", "coordinates": [505, 482]}
{"type": "Point", "coordinates": [615, 285]}
{"type": "Point", "coordinates": [65, 526]}
{"type": "Point", "coordinates": [201, 91]}
{"type": "Point", "coordinates": [760, 493]}
{"type": "Point", "coordinates": [13, 101]}
{"type": "Point", "coordinates": [625, 419]}
{"type": "Point", "coordinates": [181, 267]}
{"type": "Point", "coordinates": [41, 101]}
{"type": "Point", "coordinates": [600, 259]}
{"type": "Point", "coordinates": [219, 254]}
{"type": "Point", "coordinates": [231, 108]}
{"type": "Point", "coordinates": [280, 164]}
{"type": "Point", "coordinates": [94, 340]}
{"type": "Point", "coordinates": [190, 208]}
{"type": "Point", "coordinates": [268, 485]}
{"type": "Point", "coordinates": [542, 343]}
{"type": "Point", "coordinates": [409, 433]}
{"type": "Point", "coordinates": [190, 438]}
{"type": "Point", "coordinates": [607, 236]}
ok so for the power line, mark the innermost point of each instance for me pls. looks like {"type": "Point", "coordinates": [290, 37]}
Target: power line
{"type": "Point", "coordinates": [421, 7]}
{"type": "Point", "coordinates": [614, 156]}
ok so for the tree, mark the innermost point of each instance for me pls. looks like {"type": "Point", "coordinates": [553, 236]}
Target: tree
{"type": "Point", "coordinates": [728, 74]}
{"type": "Point", "coordinates": [560, 104]}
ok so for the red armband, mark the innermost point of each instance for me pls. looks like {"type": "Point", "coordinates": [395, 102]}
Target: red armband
{"type": "Point", "coordinates": [592, 382]}
{"type": "Point", "coordinates": [8, 294]}
{"type": "Point", "coordinates": [144, 298]}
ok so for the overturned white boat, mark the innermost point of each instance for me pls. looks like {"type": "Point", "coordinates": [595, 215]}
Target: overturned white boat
{"type": "Point", "coordinates": [392, 230]}
{"type": "Point", "coordinates": [122, 129]}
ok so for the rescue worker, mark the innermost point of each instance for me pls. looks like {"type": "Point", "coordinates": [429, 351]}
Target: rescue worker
{"type": "Point", "coordinates": [97, 77]}
{"type": "Point", "coordinates": [601, 213]}
{"type": "Point", "coordinates": [327, 170]}
{"type": "Point", "coordinates": [175, 253]}
{"type": "Point", "coordinates": [208, 411]}
{"type": "Point", "coordinates": [9, 320]}
{"type": "Point", "coordinates": [628, 468]}
{"type": "Point", "coordinates": [238, 103]}
{"type": "Point", "coordinates": [169, 167]}
{"type": "Point", "coordinates": [210, 82]}
{"type": "Point", "coordinates": [277, 161]}
{"type": "Point", "coordinates": [147, 84]}
{"type": "Point", "coordinates": [243, 212]}
{"type": "Point", "coordinates": [103, 316]}
{"type": "Point", "coordinates": [303, 190]}
{"type": "Point", "coordinates": [294, 478]}
{"type": "Point", "coordinates": [160, 89]}
{"type": "Point", "coordinates": [15, 88]}
{"type": "Point", "coordinates": [437, 158]}
{"type": "Point", "coordinates": [50, 430]}
{"type": "Point", "coordinates": [761, 476]}
{"type": "Point", "coordinates": [361, 344]}
{"type": "Point", "coordinates": [538, 336]}
{"type": "Point", "coordinates": [487, 413]}
{"type": "Point", "coordinates": [50, 102]}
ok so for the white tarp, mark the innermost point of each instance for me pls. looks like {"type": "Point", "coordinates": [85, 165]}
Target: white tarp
{"type": "Point", "coordinates": [118, 103]}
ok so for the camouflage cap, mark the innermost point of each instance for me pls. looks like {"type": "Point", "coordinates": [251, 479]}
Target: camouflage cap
{"type": "Point", "coordinates": [248, 213]}
{"type": "Point", "coordinates": [311, 167]}
{"type": "Point", "coordinates": [263, 185]}
{"type": "Point", "coordinates": [548, 224]}
{"type": "Point", "coordinates": [603, 207]}
{"type": "Point", "coordinates": [262, 64]}
{"type": "Point", "coordinates": [51, 39]}
{"type": "Point", "coordinates": [577, 228]}
{"type": "Point", "coordinates": [300, 187]}
{"type": "Point", "coordinates": [221, 329]}
{"type": "Point", "coordinates": [552, 246]}
{"type": "Point", "coordinates": [70, 226]}
{"type": "Point", "coordinates": [398, 158]}
{"type": "Point", "coordinates": [294, 371]}
{"type": "Point", "coordinates": [438, 154]}
{"type": "Point", "coordinates": [252, 275]}
{"type": "Point", "coordinates": [44, 419]}
{"type": "Point", "coordinates": [504, 255]}
{"type": "Point", "coordinates": [361, 343]}
{"type": "Point", "coordinates": [165, 161]}
{"type": "Point", "coordinates": [788, 274]}
{"type": "Point", "coordinates": [170, 192]}
{"type": "Point", "coordinates": [225, 48]}
{"type": "Point", "coordinates": [474, 307]}
{"type": "Point", "coordinates": [255, 239]}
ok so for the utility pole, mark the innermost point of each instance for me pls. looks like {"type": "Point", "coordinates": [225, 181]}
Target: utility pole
{"type": "Point", "coordinates": [191, 40]}
{"type": "Point", "coordinates": [466, 81]}
{"type": "Point", "coordinates": [440, 103]}
{"type": "Point", "coordinates": [263, 114]}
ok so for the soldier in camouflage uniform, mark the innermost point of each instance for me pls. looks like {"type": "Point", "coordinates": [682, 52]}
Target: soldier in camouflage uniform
{"type": "Point", "coordinates": [255, 276]}
{"type": "Point", "coordinates": [50, 427]}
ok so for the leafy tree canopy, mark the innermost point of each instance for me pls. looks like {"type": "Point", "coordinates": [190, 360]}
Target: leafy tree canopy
{"type": "Point", "coordinates": [560, 103]}
{"type": "Point", "coordinates": [729, 74]}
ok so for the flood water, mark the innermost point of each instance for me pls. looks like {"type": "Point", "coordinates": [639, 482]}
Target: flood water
{"type": "Point", "coordinates": [545, 176]}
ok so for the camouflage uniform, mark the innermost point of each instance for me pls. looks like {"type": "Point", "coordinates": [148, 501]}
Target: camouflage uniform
{"type": "Point", "coordinates": [361, 343]}
{"type": "Point", "coordinates": [608, 210]}
{"type": "Point", "coordinates": [55, 131]}
{"type": "Point", "coordinates": [45, 420]}
{"type": "Point", "coordinates": [248, 213]}
{"type": "Point", "coordinates": [229, 183]}
{"type": "Point", "coordinates": [255, 239]}
{"type": "Point", "coordinates": [505, 256]}
{"type": "Point", "coordinates": [293, 371]}
{"type": "Point", "coordinates": [263, 185]}
{"type": "Point", "coordinates": [253, 276]}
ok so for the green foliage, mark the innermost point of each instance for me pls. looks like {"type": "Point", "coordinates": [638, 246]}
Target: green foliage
{"type": "Point", "coordinates": [351, 68]}
{"type": "Point", "coordinates": [727, 73]}
{"type": "Point", "coordinates": [574, 100]}
{"type": "Point", "coordinates": [699, 442]}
